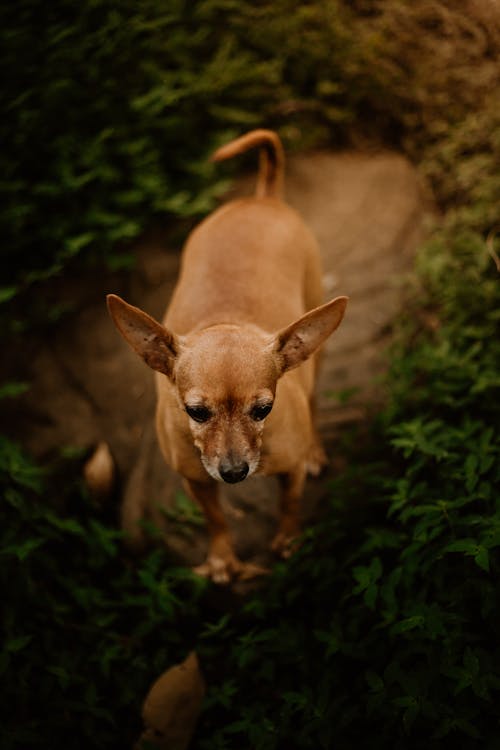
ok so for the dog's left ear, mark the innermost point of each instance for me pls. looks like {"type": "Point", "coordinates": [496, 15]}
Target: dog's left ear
{"type": "Point", "coordinates": [294, 344]}
{"type": "Point", "coordinates": [157, 345]}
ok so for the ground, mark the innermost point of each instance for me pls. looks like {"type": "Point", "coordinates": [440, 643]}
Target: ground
{"type": "Point", "coordinates": [368, 213]}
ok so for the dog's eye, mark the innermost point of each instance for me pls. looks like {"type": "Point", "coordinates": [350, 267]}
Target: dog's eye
{"type": "Point", "coordinates": [260, 411]}
{"type": "Point", "coordinates": [199, 413]}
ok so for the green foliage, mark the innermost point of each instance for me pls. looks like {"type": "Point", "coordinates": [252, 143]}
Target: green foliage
{"type": "Point", "coordinates": [84, 629]}
{"type": "Point", "coordinates": [463, 172]}
{"type": "Point", "coordinates": [382, 631]}
{"type": "Point", "coordinates": [111, 109]}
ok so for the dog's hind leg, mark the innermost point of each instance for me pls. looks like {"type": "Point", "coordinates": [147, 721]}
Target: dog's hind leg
{"type": "Point", "coordinates": [292, 485]}
{"type": "Point", "coordinates": [316, 459]}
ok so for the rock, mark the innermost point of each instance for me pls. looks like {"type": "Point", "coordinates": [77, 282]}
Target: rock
{"type": "Point", "coordinates": [172, 706]}
{"type": "Point", "coordinates": [99, 472]}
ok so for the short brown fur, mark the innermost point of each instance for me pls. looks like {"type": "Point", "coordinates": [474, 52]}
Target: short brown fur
{"type": "Point", "coordinates": [228, 351]}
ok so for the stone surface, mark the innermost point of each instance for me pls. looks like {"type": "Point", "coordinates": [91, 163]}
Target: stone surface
{"type": "Point", "coordinates": [172, 706]}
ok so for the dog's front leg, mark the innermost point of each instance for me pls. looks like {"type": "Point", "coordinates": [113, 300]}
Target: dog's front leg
{"type": "Point", "coordinates": [292, 485]}
{"type": "Point", "coordinates": [221, 564]}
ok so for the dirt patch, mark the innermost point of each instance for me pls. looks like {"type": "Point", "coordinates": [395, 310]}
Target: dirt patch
{"type": "Point", "coordinates": [367, 212]}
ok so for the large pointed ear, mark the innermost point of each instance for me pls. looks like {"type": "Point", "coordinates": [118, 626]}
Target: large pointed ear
{"type": "Point", "coordinates": [155, 344]}
{"type": "Point", "coordinates": [294, 344]}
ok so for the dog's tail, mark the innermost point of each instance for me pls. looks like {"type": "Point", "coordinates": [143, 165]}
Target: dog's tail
{"type": "Point", "coordinates": [271, 164]}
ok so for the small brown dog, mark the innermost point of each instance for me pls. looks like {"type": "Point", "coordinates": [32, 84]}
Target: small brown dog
{"type": "Point", "coordinates": [236, 375]}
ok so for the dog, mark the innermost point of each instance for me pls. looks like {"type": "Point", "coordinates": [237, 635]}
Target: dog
{"type": "Point", "coordinates": [237, 355]}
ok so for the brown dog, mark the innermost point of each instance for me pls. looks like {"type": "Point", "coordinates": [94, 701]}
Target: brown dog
{"type": "Point", "coordinates": [236, 375]}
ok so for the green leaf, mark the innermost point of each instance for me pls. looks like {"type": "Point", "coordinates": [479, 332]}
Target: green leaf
{"type": "Point", "coordinates": [105, 537]}
{"type": "Point", "coordinates": [74, 245]}
{"type": "Point", "coordinates": [409, 623]}
{"type": "Point", "coordinates": [412, 706]}
{"type": "Point", "coordinates": [471, 661]}
{"type": "Point", "coordinates": [23, 550]}
{"type": "Point", "coordinates": [473, 548]}
{"type": "Point", "coordinates": [217, 627]}
{"type": "Point", "coordinates": [13, 389]}
{"type": "Point", "coordinates": [7, 293]}
{"type": "Point", "coordinates": [17, 466]}
{"type": "Point", "coordinates": [482, 558]}
{"type": "Point", "coordinates": [62, 674]}
{"type": "Point", "coordinates": [331, 639]}
{"type": "Point", "coordinates": [470, 546]}
{"type": "Point", "coordinates": [374, 681]}
{"type": "Point", "coordinates": [471, 471]}
{"type": "Point", "coordinates": [14, 645]}
{"type": "Point", "coordinates": [367, 574]}
{"type": "Point", "coordinates": [67, 525]}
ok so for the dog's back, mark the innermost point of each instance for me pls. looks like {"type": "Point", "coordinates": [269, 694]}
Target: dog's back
{"type": "Point", "coordinates": [252, 261]}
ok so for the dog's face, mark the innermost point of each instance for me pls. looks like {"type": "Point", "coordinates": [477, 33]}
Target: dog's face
{"type": "Point", "coordinates": [225, 377]}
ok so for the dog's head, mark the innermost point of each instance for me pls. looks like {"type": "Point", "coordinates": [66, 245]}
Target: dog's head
{"type": "Point", "coordinates": [225, 376]}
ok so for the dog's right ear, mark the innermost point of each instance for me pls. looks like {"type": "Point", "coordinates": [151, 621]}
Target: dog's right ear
{"type": "Point", "coordinates": [153, 342]}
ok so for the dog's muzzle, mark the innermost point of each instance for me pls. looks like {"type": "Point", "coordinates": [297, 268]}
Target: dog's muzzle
{"type": "Point", "coordinates": [233, 473]}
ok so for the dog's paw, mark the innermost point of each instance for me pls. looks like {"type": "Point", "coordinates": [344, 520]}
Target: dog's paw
{"type": "Point", "coordinates": [220, 570]}
{"type": "Point", "coordinates": [316, 461]}
{"type": "Point", "coordinates": [285, 544]}
{"type": "Point", "coordinates": [225, 570]}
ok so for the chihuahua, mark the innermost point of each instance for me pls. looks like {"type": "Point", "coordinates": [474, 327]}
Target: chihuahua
{"type": "Point", "coordinates": [236, 357]}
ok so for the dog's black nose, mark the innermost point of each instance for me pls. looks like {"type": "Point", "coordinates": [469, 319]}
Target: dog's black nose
{"type": "Point", "coordinates": [233, 473]}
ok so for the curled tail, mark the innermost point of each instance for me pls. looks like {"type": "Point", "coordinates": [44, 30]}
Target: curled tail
{"type": "Point", "coordinates": [271, 160]}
